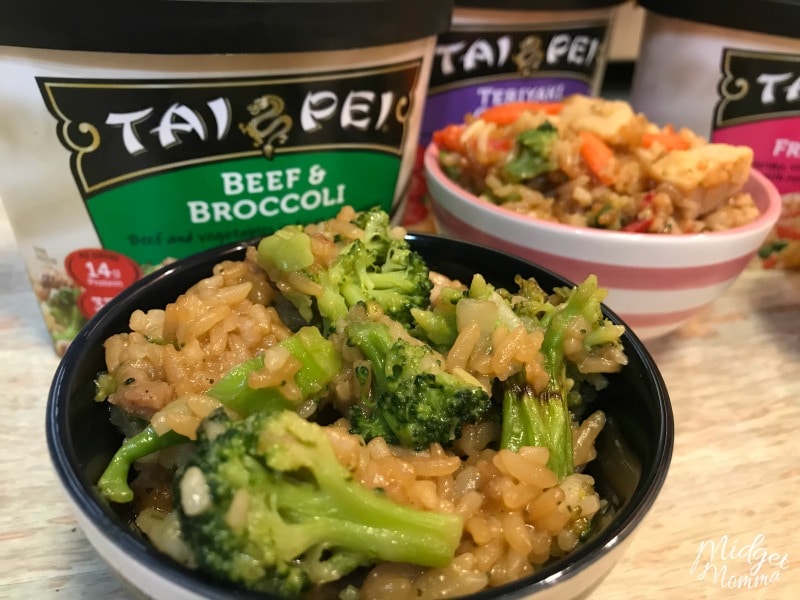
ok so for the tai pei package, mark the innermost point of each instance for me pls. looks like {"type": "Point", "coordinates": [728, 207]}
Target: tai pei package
{"type": "Point", "coordinates": [735, 80]}
{"type": "Point", "coordinates": [121, 152]}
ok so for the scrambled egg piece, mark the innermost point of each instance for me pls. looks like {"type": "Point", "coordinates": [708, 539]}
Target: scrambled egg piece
{"type": "Point", "coordinates": [707, 175]}
{"type": "Point", "coordinates": [610, 120]}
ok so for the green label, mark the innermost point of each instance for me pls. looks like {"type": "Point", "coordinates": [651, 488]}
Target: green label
{"type": "Point", "coordinates": [187, 210]}
{"type": "Point", "coordinates": [171, 167]}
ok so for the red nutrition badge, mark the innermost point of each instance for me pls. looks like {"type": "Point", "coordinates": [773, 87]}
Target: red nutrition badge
{"type": "Point", "coordinates": [102, 274]}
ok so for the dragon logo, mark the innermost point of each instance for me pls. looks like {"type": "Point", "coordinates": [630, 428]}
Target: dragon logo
{"type": "Point", "coordinates": [269, 126]}
{"type": "Point", "coordinates": [530, 55]}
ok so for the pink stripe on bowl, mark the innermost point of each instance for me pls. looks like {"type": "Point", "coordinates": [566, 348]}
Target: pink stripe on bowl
{"type": "Point", "coordinates": [636, 278]}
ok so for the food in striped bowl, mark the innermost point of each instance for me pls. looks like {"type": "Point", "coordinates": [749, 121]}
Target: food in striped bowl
{"type": "Point", "coordinates": [587, 186]}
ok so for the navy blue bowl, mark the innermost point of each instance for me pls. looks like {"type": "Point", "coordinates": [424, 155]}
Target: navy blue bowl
{"type": "Point", "coordinates": [634, 450]}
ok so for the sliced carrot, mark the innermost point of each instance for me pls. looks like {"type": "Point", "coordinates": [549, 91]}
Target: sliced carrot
{"type": "Point", "coordinates": [787, 232]}
{"type": "Point", "coordinates": [598, 156]}
{"type": "Point", "coordinates": [504, 114]}
{"type": "Point", "coordinates": [638, 226]}
{"type": "Point", "coordinates": [770, 262]}
{"type": "Point", "coordinates": [502, 145]}
{"type": "Point", "coordinates": [667, 137]}
{"type": "Point", "coordinates": [448, 138]}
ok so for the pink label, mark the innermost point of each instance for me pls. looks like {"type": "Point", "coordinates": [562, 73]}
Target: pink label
{"type": "Point", "coordinates": [776, 148]}
{"type": "Point", "coordinates": [759, 106]}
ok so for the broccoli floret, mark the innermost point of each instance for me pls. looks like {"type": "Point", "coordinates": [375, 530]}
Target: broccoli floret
{"type": "Point", "coordinates": [380, 268]}
{"type": "Point", "coordinates": [62, 303]}
{"type": "Point", "coordinates": [264, 503]}
{"type": "Point", "coordinates": [438, 325]}
{"type": "Point", "coordinates": [530, 302]}
{"type": "Point", "coordinates": [771, 248]}
{"type": "Point", "coordinates": [398, 282]}
{"type": "Point", "coordinates": [510, 312]}
{"type": "Point", "coordinates": [533, 155]}
{"type": "Point", "coordinates": [319, 363]}
{"type": "Point", "coordinates": [377, 231]}
{"type": "Point", "coordinates": [543, 418]}
{"type": "Point", "coordinates": [414, 402]}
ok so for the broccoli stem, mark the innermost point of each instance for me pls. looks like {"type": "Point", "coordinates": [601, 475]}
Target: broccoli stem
{"type": "Point", "coordinates": [303, 518]}
{"type": "Point", "coordinates": [113, 483]}
{"type": "Point", "coordinates": [374, 341]}
{"type": "Point", "coordinates": [232, 391]}
{"type": "Point", "coordinates": [531, 420]}
{"type": "Point", "coordinates": [319, 364]}
{"type": "Point", "coordinates": [318, 356]}
{"type": "Point", "coordinates": [338, 508]}
{"type": "Point", "coordinates": [289, 249]}
{"type": "Point", "coordinates": [235, 393]}
{"type": "Point", "coordinates": [368, 523]}
{"type": "Point", "coordinates": [544, 419]}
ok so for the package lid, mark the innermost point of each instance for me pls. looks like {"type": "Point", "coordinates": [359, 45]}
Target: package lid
{"type": "Point", "coordinates": [776, 17]}
{"type": "Point", "coordinates": [219, 26]}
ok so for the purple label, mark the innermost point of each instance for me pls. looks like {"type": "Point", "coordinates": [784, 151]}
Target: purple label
{"type": "Point", "coordinates": [451, 106]}
{"type": "Point", "coordinates": [475, 68]}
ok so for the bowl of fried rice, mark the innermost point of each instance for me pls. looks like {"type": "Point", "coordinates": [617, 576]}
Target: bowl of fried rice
{"type": "Point", "coordinates": [250, 423]}
{"type": "Point", "coordinates": [666, 219]}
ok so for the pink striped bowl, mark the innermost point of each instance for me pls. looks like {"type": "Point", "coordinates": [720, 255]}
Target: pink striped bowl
{"type": "Point", "coordinates": [655, 283]}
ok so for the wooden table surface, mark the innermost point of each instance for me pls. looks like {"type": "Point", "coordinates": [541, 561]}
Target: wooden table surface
{"type": "Point", "coordinates": [725, 525]}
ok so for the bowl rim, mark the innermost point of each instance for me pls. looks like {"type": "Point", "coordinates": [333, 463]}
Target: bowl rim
{"type": "Point", "coordinates": [767, 218]}
{"type": "Point", "coordinates": [113, 529]}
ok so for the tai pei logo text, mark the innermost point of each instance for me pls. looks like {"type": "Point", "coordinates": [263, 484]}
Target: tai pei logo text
{"type": "Point", "coordinates": [773, 85]}
{"type": "Point", "coordinates": [565, 48]}
{"type": "Point", "coordinates": [358, 110]}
